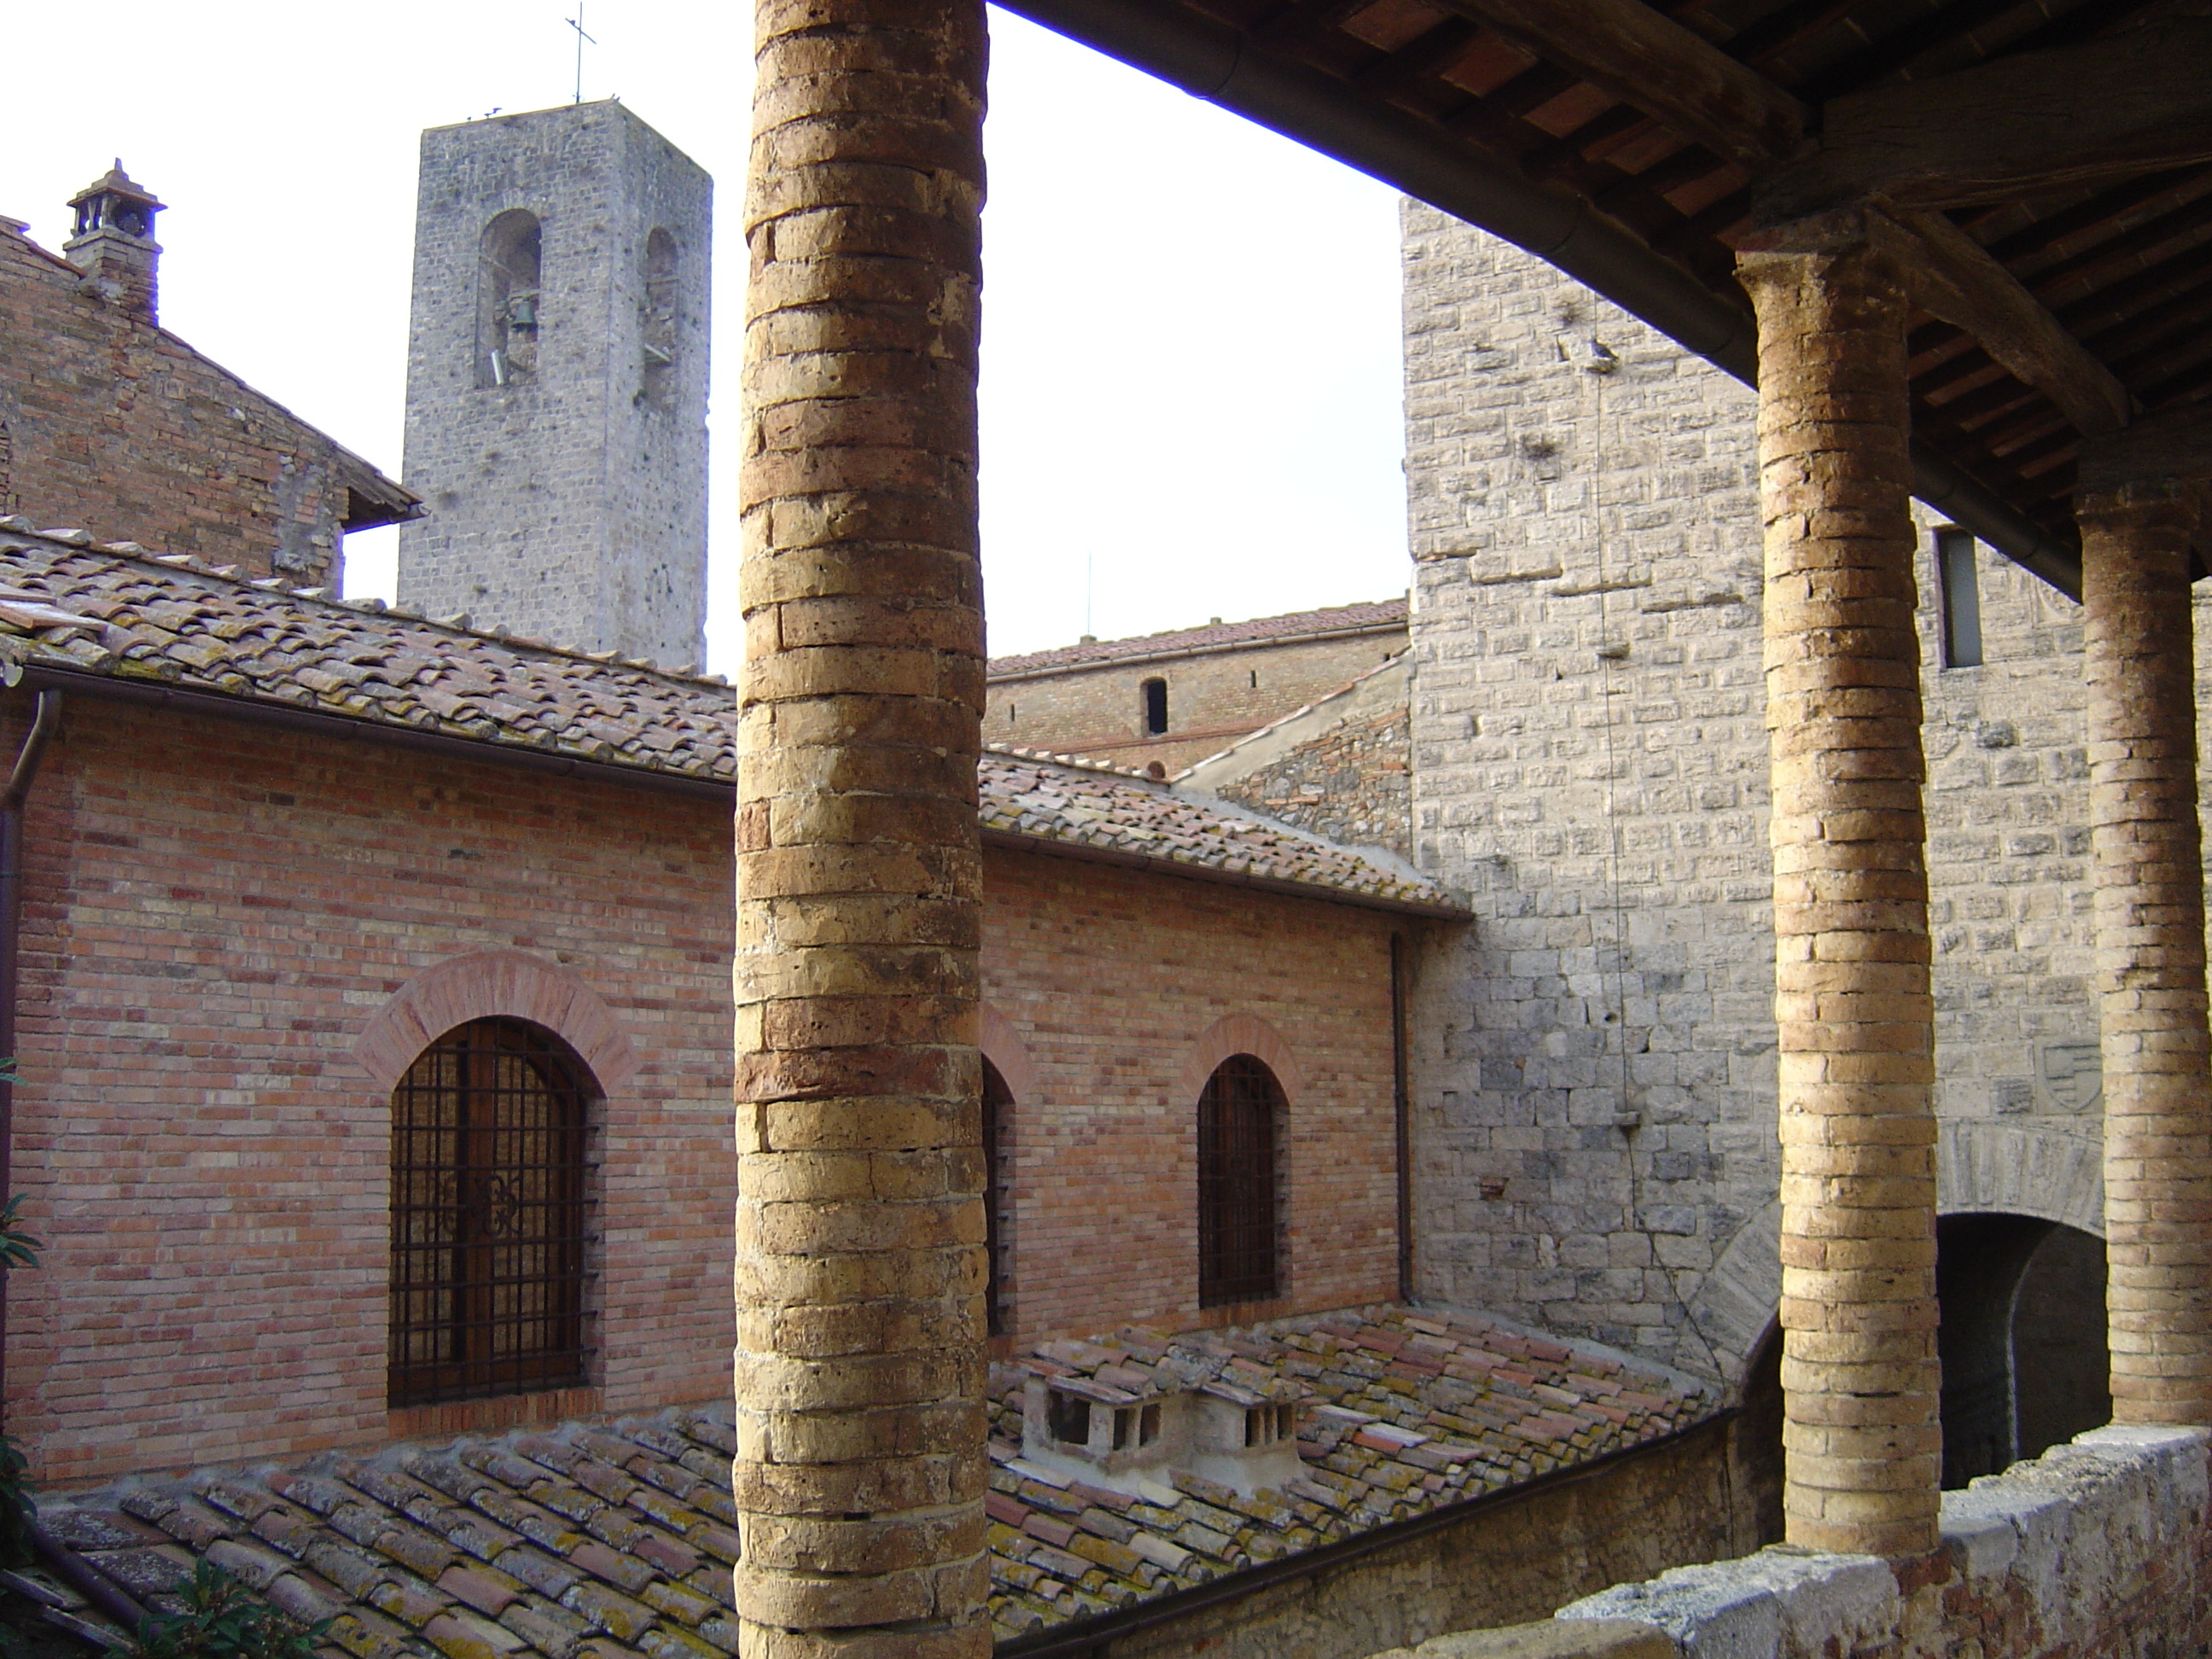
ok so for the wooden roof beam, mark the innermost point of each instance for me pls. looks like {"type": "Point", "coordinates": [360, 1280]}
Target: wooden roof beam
{"type": "Point", "coordinates": [1645, 59]}
{"type": "Point", "coordinates": [1651, 62]}
{"type": "Point", "coordinates": [2036, 120]}
{"type": "Point", "coordinates": [1962, 285]}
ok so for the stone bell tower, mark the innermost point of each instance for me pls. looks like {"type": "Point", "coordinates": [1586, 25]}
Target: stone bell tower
{"type": "Point", "coordinates": [556, 382]}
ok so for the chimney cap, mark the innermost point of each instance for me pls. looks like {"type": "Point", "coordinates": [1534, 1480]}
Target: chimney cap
{"type": "Point", "coordinates": [116, 182]}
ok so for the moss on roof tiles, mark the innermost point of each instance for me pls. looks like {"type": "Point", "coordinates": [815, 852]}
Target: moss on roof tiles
{"type": "Point", "coordinates": [602, 1539]}
{"type": "Point", "coordinates": [140, 617]}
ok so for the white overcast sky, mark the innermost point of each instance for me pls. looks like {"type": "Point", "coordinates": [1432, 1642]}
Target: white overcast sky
{"type": "Point", "coordinates": [1190, 356]}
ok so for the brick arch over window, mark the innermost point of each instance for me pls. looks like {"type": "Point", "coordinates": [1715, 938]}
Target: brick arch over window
{"type": "Point", "coordinates": [1238, 1034]}
{"type": "Point", "coordinates": [490, 984]}
{"type": "Point", "coordinates": [1981, 1169]}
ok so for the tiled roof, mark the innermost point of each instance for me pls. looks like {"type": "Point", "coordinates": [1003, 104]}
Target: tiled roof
{"type": "Point", "coordinates": [581, 1542]}
{"type": "Point", "coordinates": [114, 612]}
{"type": "Point", "coordinates": [1418, 1410]}
{"type": "Point", "coordinates": [180, 623]}
{"type": "Point", "coordinates": [1111, 810]}
{"type": "Point", "coordinates": [603, 1540]}
{"type": "Point", "coordinates": [1258, 630]}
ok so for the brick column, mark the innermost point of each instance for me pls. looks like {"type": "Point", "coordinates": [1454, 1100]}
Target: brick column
{"type": "Point", "coordinates": [859, 1471]}
{"type": "Point", "coordinates": [2150, 946]}
{"type": "Point", "coordinates": [1863, 1449]}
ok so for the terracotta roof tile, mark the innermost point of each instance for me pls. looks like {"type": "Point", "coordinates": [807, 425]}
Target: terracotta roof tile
{"type": "Point", "coordinates": [69, 607]}
{"type": "Point", "coordinates": [454, 1552]}
{"type": "Point", "coordinates": [1376, 616]}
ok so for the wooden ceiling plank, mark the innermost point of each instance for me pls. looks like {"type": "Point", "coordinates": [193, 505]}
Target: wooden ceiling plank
{"type": "Point", "coordinates": [1962, 285]}
{"type": "Point", "coordinates": [1637, 56]}
{"type": "Point", "coordinates": [2033, 121]}
{"type": "Point", "coordinates": [2181, 222]}
{"type": "Point", "coordinates": [2099, 210]}
{"type": "Point", "coordinates": [1897, 50]}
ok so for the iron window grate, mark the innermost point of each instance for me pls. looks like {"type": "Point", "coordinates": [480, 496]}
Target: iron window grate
{"type": "Point", "coordinates": [1238, 1206]}
{"type": "Point", "coordinates": [489, 1141]}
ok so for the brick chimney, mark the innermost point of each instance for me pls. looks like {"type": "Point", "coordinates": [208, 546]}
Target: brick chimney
{"type": "Point", "coordinates": [113, 242]}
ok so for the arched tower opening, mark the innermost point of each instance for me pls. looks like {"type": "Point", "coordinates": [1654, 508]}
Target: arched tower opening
{"type": "Point", "coordinates": [509, 262]}
{"type": "Point", "coordinates": [657, 335]}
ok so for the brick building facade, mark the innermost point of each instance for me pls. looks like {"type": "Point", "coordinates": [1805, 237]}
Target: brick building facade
{"type": "Point", "coordinates": [251, 913]}
{"type": "Point", "coordinates": [111, 424]}
{"type": "Point", "coordinates": [1172, 699]}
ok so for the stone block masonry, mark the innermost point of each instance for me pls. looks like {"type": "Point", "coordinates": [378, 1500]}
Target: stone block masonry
{"type": "Point", "coordinates": [1594, 1060]}
{"type": "Point", "coordinates": [566, 484]}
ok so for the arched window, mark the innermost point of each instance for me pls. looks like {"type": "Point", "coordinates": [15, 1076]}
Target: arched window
{"type": "Point", "coordinates": [1156, 707]}
{"type": "Point", "coordinates": [1239, 1116]}
{"type": "Point", "coordinates": [998, 1195]}
{"type": "Point", "coordinates": [508, 311]}
{"type": "Point", "coordinates": [658, 342]}
{"type": "Point", "coordinates": [487, 1142]}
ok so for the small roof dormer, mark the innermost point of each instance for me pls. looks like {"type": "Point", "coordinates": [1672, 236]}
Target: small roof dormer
{"type": "Point", "coordinates": [112, 240]}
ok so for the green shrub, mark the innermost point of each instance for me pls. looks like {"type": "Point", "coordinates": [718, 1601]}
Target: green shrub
{"type": "Point", "coordinates": [223, 1619]}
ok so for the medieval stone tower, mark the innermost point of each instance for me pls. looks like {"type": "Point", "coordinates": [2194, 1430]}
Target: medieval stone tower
{"type": "Point", "coordinates": [556, 382]}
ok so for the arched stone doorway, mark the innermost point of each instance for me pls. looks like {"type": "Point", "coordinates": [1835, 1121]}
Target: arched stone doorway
{"type": "Point", "coordinates": [2024, 1363]}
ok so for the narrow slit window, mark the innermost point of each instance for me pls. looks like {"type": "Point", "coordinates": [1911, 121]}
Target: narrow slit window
{"type": "Point", "coordinates": [998, 1197]}
{"type": "Point", "coordinates": [1148, 1425]}
{"type": "Point", "coordinates": [1238, 1203]}
{"type": "Point", "coordinates": [1156, 707]}
{"type": "Point", "coordinates": [1122, 1425]}
{"type": "Point", "coordinates": [1962, 600]}
{"type": "Point", "coordinates": [488, 1132]}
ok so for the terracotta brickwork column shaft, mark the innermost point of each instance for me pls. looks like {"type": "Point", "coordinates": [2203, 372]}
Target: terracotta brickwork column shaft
{"type": "Point", "coordinates": [2150, 951]}
{"type": "Point", "coordinates": [1863, 1444]}
{"type": "Point", "coordinates": [859, 1471]}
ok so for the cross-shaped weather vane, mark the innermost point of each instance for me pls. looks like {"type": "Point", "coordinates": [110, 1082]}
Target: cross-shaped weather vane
{"type": "Point", "coordinates": [577, 24]}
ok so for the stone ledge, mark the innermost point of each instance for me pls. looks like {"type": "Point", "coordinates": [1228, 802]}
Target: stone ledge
{"type": "Point", "coordinates": [2100, 1539]}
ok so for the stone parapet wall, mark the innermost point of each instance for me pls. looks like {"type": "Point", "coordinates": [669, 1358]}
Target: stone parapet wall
{"type": "Point", "coordinates": [2099, 1548]}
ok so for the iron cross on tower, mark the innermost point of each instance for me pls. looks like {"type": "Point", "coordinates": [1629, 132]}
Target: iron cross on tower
{"type": "Point", "coordinates": [577, 24]}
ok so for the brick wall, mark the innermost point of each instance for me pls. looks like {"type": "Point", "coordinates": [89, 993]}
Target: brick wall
{"type": "Point", "coordinates": [1111, 980]}
{"type": "Point", "coordinates": [1214, 698]}
{"type": "Point", "coordinates": [215, 915]}
{"type": "Point", "coordinates": [229, 931]}
{"type": "Point", "coordinates": [1595, 1063]}
{"type": "Point", "coordinates": [115, 426]}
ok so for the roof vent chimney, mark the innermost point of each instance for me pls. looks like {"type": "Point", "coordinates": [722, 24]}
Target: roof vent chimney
{"type": "Point", "coordinates": [113, 244]}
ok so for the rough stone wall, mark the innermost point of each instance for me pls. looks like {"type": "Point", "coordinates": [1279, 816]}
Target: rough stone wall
{"type": "Point", "coordinates": [1594, 1062]}
{"type": "Point", "coordinates": [1594, 1069]}
{"type": "Point", "coordinates": [1339, 769]}
{"type": "Point", "coordinates": [1110, 996]}
{"type": "Point", "coordinates": [1513, 1560]}
{"type": "Point", "coordinates": [569, 504]}
{"type": "Point", "coordinates": [1214, 698]}
{"type": "Point", "coordinates": [112, 425]}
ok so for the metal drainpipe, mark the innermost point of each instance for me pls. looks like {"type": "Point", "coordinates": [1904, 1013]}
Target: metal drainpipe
{"type": "Point", "coordinates": [46, 715]}
{"type": "Point", "coordinates": [1401, 1107]}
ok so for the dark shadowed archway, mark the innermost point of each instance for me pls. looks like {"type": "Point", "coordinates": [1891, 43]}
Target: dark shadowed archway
{"type": "Point", "coordinates": [2022, 1342]}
